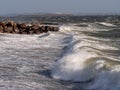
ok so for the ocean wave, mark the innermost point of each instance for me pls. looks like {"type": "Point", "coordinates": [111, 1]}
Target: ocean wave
{"type": "Point", "coordinates": [86, 61]}
{"type": "Point", "coordinates": [106, 24]}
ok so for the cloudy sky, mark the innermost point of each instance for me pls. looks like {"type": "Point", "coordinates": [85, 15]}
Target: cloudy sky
{"type": "Point", "coordinates": [59, 6]}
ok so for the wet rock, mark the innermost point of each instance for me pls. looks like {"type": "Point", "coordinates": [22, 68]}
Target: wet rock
{"type": "Point", "coordinates": [31, 32]}
{"type": "Point", "coordinates": [23, 28]}
{"type": "Point", "coordinates": [11, 26]}
{"type": "Point", "coordinates": [53, 28]}
{"type": "Point", "coordinates": [49, 28]}
{"type": "Point", "coordinates": [22, 31]}
{"type": "Point", "coordinates": [2, 24]}
{"type": "Point", "coordinates": [44, 29]}
{"type": "Point", "coordinates": [9, 30]}
{"type": "Point", "coordinates": [28, 29]}
{"type": "Point", "coordinates": [1, 29]}
{"type": "Point", "coordinates": [16, 31]}
{"type": "Point", "coordinates": [36, 29]}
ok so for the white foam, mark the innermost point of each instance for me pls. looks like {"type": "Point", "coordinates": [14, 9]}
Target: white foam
{"type": "Point", "coordinates": [30, 41]}
{"type": "Point", "coordinates": [21, 85]}
{"type": "Point", "coordinates": [107, 80]}
{"type": "Point", "coordinates": [73, 65]}
{"type": "Point", "coordinates": [107, 24]}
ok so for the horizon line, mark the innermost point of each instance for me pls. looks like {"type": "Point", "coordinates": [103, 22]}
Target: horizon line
{"type": "Point", "coordinates": [61, 13]}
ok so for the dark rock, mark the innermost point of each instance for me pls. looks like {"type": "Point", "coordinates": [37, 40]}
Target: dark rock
{"type": "Point", "coordinates": [1, 29]}
{"type": "Point", "coordinates": [55, 29]}
{"type": "Point", "coordinates": [51, 28]}
{"type": "Point", "coordinates": [35, 27]}
{"type": "Point", "coordinates": [22, 30]}
{"type": "Point", "coordinates": [2, 25]}
{"type": "Point", "coordinates": [28, 29]}
{"type": "Point", "coordinates": [17, 31]}
{"type": "Point", "coordinates": [31, 32]}
{"type": "Point", "coordinates": [9, 30]}
{"type": "Point", "coordinates": [9, 24]}
{"type": "Point", "coordinates": [22, 26]}
{"type": "Point", "coordinates": [43, 29]}
{"type": "Point", "coordinates": [12, 27]}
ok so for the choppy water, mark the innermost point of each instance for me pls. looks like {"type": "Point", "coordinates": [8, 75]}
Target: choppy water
{"type": "Point", "coordinates": [75, 58]}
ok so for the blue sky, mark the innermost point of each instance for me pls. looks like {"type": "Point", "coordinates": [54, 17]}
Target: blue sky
{"type": "Point", "coordinates": [59, 6]}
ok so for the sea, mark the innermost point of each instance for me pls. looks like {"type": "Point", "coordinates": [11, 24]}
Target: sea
{"type": "Point", "coordinates": [83, 55]}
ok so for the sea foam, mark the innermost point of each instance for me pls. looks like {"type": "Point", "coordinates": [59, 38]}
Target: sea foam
{"type": "Point", "coordinates": [73, 66]}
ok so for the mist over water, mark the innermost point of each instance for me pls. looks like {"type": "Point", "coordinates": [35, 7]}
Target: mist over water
{"type": "Point", "coordinates": [80, 56]}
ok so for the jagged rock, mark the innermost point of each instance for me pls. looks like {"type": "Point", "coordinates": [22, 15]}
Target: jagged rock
{"type": "Point", "coordinates": [35, 27]}
{"type": "Point", "coordinates": [55, 29]}
{"type": "Point", "coordinates": [9, 30]}
{"type": "Point", "coordinates": [49, 28]}
{"type": "Point", "coordinates": [23, 28]}
{"type": "Point", "coordinates": [17, 31]}
{"type": "Point", "coordinates": [2, 24]}
{"type": "Point", "coordinates": [28, 29]}
{"type": "Point", "coordinates": [1, 29]}
{"type": "Point", "coordinates": [11, 26]}
{"type": "Point", "coordinates": [31, 32]}
{"type": "Point", "coordinates": [43, 29]}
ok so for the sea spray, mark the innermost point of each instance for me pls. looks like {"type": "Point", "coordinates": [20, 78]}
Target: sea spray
{"type": "Point", "coordinates": [72, 65]}
{"type": "Point", "coordinates": [87, 59]}
{"type": "Point", "coordinates": [107, 80]}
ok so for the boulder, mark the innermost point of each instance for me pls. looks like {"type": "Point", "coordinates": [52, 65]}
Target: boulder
{"type": "Point", "coordinates": [36, 29]}
{"type": "Point", "coordinates": [11, 25]}
{"type": "Point", "coordinates": [49, 28]}
{"type": "Point", "coordinates": [2, 24]}
{"type": "Point", "coordinates": [9, 30]}
{"type": "Point", "coordinates": [43, 29]}
{"type": "Point", "coordinates": [31, 32]}
{"type": "Point", "coordinates": [22, 26]}
{"type": "Point", "coordinates": [1, 29]}
{"type": "Point", "coordinates": [55, 29]}
{"type": "Point", "coordinates": [21, 31]}
{"type": "Point", "coordinates": [16, 31]}
{"type": "Point", "coordinates": [28, 29]}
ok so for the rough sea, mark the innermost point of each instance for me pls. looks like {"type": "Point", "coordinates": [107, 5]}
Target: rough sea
{"type": "Point", "coordinates": [80, 56]}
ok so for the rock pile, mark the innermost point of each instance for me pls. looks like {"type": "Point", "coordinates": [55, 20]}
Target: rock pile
{"type": "Point", "coordinates": [23, 28]}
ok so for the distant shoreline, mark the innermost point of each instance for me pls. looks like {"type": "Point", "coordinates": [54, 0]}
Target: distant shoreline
{"type": "Point", "coordinates": [61, 14]}
{"type": "Point", "coordinates": [62, 18]}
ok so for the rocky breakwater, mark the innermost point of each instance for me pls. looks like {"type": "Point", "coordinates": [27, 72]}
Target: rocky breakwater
{"type": "Point", "coordinates": [24, 28]}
